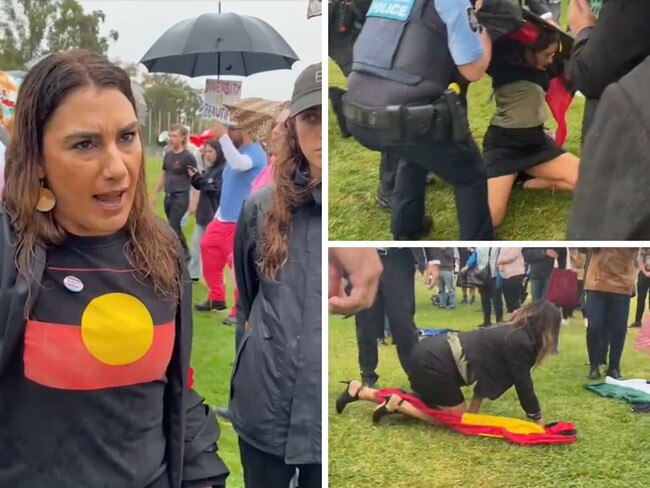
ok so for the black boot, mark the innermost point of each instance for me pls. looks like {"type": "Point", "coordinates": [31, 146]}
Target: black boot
{"type": "Point", "coordinates": [614, 373]}
{"type": "Point", "coordinates": [594, 373]}
{"type": "Point", "coordinates": [210, 305]}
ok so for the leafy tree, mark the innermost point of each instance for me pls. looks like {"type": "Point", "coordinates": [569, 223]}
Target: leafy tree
{"type": "Point", "coordinates": [33, 28]}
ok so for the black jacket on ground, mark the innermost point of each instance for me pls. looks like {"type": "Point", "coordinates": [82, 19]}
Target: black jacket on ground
{"type": "Point", "coordinates": [605, 53]}
{"type": "Point", "coordinates": [612, 201]}
{"type": "Point", "coordinates": [541, 265]}
{"type": "Point", "coordinates": [209, 184]}
{"type": "Point", "coordinates": [191, 429]}
{"type": "Point", "coordinates": [500, 357]}
{"type": "Point", "coordinates": [275, 394]}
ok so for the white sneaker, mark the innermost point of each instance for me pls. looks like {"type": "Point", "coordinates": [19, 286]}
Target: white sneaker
{"type": "Point", "coordinates": [564, 322]}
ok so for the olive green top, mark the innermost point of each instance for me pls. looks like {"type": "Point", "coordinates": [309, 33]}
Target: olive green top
{"type": "Point", "coordinates": [520, 105]}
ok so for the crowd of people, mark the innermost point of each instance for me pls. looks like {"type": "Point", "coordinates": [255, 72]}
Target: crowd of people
{"type": "Point", "coordinates": [96, 297]}
{"type": "Point", "coordinates": [496, 355]}
{"type": "Point", "coordinates": [411, 105]}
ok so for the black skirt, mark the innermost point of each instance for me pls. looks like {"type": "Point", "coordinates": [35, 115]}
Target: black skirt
{"type": "Point", "coordinates": [510, 151]}
{"type": "Point", "coordinates": [434, 376]}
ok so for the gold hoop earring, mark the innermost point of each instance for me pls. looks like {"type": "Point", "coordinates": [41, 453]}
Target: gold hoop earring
{"type": "Point", "coordinates": [46, 200]}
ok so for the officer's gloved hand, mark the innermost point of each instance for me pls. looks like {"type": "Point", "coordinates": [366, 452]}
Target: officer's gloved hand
{"type": "Point", "coordinates": [500, 17]}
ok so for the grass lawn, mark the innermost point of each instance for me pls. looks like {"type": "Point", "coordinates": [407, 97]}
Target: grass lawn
{"type": "Point", "coordinates": [611, 450]}
{"type": "Point", "coordinates": [212, 354]}
{"type": "Point", "coordinates": [354, 175]}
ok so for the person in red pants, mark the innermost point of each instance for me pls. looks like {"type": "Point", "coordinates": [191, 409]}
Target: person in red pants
{"type": "Point", "coordinates": [245, 160]}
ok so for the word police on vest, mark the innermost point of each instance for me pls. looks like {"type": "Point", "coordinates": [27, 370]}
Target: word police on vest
{"type": "Point", "coordinates": [391, 9]}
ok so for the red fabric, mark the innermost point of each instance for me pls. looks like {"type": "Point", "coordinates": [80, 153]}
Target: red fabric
{"type": "Point", "coordinates": [199, 139]}
{"type": "Point", "coordinates": [527, 34]}
{"type": "Point", "coordinates": [563, 288]}
{"type": "Point", "coordinates": [190, 378]}
{"type": "Point", "coordinates": [556, 433]}
{"type": "Point", "coordinates": [216, 245]}
{"type": "Point", "coordinates": [559, 100]}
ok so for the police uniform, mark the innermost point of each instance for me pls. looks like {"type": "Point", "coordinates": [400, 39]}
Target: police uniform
{"type": "Point", "coordinates": [395, 300]}
{"type": "Point", "coordinates": [403, 61]}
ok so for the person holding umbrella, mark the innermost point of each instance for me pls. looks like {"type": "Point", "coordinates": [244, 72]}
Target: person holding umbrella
{"type": "Point", "coordinates": [275, 395]}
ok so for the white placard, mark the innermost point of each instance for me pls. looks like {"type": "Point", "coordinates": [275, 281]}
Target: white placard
{"type": "Point", "coordinates": [217, 94]}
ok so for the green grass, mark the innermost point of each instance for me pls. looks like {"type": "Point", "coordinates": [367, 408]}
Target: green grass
{"type": "Point", "coordinates": [213, 352]}
{"type": "Point", "coordinates": [354, 174]}
{"type": "Point", "coordinates": [611, 450]}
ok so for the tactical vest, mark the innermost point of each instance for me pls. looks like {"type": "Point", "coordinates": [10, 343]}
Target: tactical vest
{"type": "Point", "coordinates": [404, 41]}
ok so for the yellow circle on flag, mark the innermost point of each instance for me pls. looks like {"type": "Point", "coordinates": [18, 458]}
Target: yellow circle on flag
{"type": "Point", "coordinates": [117, 329]}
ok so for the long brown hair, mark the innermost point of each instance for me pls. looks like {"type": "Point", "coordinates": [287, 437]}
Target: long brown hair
{"type": "Point", "coordinates": [151, 248]}
{"type": "Point", "coordinates": [542, 319]}
{"type": "Point", "coordinates": [286, 198]}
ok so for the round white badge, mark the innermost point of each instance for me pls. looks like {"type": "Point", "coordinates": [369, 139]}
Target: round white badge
{"type": "Point", "coordinates": [73, 284]}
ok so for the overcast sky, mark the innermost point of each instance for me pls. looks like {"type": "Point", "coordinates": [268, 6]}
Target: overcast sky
{"type": "Point", "coordinates": [141, 22]}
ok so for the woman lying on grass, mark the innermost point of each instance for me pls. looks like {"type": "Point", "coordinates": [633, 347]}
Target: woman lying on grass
{"type": "Point", "coordinates": [515, 141]}
{"type": "Point", "coordinates": [496, 358]}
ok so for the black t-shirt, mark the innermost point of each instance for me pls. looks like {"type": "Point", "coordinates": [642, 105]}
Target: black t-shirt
{"type": "Point", "coordinates": [81, 405]}
{"type": "Point", "coordinates": [175, 167]}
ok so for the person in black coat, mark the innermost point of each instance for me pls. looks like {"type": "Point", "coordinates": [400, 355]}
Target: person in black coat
{"type": "Point", "coordinates": [606, 49]}
{"type": "Point", "coordinates": [209, 185]}
{"type": "Point", "coordinates": [275, 395]}
{"type": "Point", "coordinates": [495, 358]}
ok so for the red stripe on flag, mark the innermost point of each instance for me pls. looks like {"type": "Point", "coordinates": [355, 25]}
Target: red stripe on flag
{"type": "Point", "coordinates": [55, 356]}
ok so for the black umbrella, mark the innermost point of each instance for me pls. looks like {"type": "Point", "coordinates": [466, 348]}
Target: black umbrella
{"type": "Point", "coordinates": [219, 44]}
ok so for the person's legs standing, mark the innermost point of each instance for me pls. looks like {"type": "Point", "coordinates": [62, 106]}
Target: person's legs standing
{"type": "Point", "coordinates": [366, 323]}
{"type": "Point", "coordinates": [398, 292]}
{"type": "Point", "coordinates": [215, 250]}
{"type": "Point", "coordinates": [178, 205]}
{"type": "Point", "coordinates": [263, 470]}
{"type": "Point", "coordinates": [448, 283]}
{"type": "Point", "coordinates": [310, 475]}
{"type": "Point", "coordinates": [485, 291]}
{"type": "Point", "coordinates": [642, 286]}
{"type": "Point", "coordinates": [194, 267]}
{"type": "Point", "coordinates": [497, 301]}
{"type": "Point", "coordinates": [596, 330]}
{"type": "Point", "coordinates": [512, 292]}
{"type": "Point", "coordinates": [618, 310]}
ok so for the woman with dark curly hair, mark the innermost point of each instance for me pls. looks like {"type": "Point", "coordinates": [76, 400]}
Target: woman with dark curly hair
{"type": "Point", "coordinates": [515, 142]}
{"type": "Point", "coordinates": [95, 300]}
{"type": "Point", "coordinates": [275, 403]}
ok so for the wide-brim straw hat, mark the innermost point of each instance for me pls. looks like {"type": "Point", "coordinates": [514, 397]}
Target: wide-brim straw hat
{"type": "Point", "coordinates": [255, 116]}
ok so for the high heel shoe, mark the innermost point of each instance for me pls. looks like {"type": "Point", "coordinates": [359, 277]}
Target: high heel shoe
{"type": "Point", "coordinates": [382, 410]}
{"type": "Point", "coordinates": [345, 397]}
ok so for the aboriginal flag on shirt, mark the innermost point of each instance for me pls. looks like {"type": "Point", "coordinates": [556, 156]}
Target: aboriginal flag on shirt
{"type": "Point", "coordinates": [95, 323]}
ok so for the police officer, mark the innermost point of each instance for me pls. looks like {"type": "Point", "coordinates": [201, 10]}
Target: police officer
{"type": "Point", "coordinates": [396, 300]}
{"type": "Point", "coordinates": [407, 55]}
{"type": "Point", "coordinates": [346, 17]}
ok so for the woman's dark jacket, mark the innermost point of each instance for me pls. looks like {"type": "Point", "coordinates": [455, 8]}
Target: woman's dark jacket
{"type": "Point", "coordinates": [191, 429]}
{"type": "Point", "coordinates": [275, 396]}
{"type": "Point", "coordinates": [209, 184]}
{"type": "Point", "coordinates": [500, 357]}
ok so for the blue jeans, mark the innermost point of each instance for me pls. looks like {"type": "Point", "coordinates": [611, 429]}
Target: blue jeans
{"type": "Point", "coordinates": [539, 288]}
{"type": "Point", "coordinates": [194, 267]}
{"type": "Point", "coordinates": [447, 290]}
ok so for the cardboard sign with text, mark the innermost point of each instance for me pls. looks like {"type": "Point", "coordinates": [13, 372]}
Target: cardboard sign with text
{"type": "Point", "coordinates": [219, 93]}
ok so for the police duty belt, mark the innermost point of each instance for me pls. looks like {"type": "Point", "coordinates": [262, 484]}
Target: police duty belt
{"type": "Point", "coordinates": [443, 120]}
